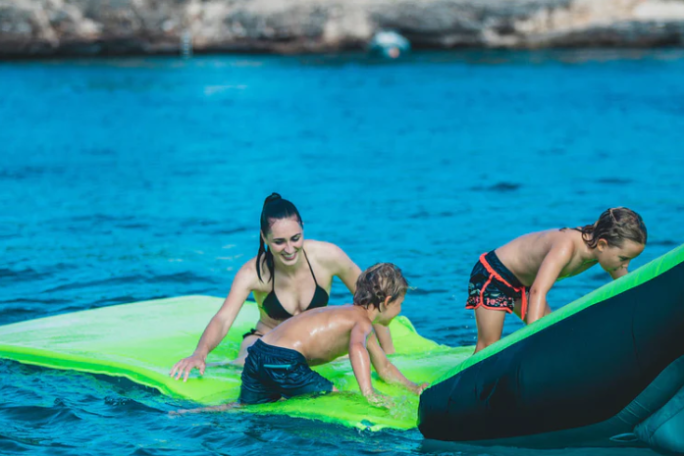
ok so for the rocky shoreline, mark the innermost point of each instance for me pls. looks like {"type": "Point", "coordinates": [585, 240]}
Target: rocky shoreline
{"type": "Point", "coordinates": [46, 28]}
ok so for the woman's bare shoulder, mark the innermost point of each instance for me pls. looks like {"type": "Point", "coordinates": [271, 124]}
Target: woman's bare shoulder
{"type": "Point", "coordinates": [324, 252]}
{"type": "Point", "coordinates": [248, 277]}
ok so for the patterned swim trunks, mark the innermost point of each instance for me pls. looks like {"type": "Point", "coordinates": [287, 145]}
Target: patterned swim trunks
{"type": "Point", "coordinates": [493, 286]}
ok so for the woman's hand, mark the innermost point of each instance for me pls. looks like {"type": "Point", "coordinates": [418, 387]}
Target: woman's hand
{"type": "Point", "coordinates": [186, 365]}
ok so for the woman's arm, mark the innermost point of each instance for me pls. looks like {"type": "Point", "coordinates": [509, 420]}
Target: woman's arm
{"type": "Point", "coordinates": [219, 325]}
{"type": "Point", "coordinates": [349, 272]}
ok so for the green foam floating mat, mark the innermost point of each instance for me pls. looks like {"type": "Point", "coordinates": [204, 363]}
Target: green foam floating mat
{"type": "Point", "coordinates": [142, 341]}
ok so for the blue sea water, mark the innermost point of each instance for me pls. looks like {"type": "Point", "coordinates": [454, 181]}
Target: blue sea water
{"type": "Point", "coordinates": [129, 179]}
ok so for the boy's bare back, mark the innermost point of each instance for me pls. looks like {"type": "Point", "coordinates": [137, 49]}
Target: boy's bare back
{"type": "Point", "coordinates": [525, 254]}
{"type": "Point", "coordinates": [321, 335]}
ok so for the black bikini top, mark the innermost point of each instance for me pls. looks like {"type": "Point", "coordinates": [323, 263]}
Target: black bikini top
{"type": "Point", "coordinates": [274, 308]}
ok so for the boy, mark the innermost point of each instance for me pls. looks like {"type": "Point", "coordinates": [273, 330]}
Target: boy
{"type": "Point", "coordinates": [502, 278]}
{"type": "Point", "coordinates": [278, 365]}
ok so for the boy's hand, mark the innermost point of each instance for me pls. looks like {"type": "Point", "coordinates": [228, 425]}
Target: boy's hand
{"type": "Point", "coordinates": [380, 400]}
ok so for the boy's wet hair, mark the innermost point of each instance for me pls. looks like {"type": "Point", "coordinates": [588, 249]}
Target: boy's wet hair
{"type": "Point", "coordinates": [275, 208]}
{"type": "Point", "coordinates": [615, 225]}
{"type": "Point", "coordinates": [378, 282]}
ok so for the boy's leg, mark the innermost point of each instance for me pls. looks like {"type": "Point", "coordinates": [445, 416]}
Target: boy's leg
{"type": "Point", "coordinates": [298, 380]}
{"type": "Point", "coordinates": [489, 326]}
{"type": "Point", "coordinates": [216, 408]}
{"type": "Point", "coordinates": [255, 388]}
{"type": "Point", "coordinates": [253, 392]}
{"type": "Point", "coordinates": [247, 342]}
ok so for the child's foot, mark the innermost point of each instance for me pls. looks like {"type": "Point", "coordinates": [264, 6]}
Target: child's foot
{"type": "Point", "coordinates": [216, 408]}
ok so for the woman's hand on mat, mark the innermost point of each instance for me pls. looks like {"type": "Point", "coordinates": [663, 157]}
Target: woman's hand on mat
{"type": "Point", "coordinates": [183, 367]}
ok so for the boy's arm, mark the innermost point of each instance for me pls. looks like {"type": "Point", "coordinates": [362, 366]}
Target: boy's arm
{"type": "Point", "coordinates": [384, 337]}
{"type": "Point", "coordinates": [358, 355]}
{"type": "Point", "coordinates": [388, 371]}
{"type": "Point", "coordinates": [554, 262]}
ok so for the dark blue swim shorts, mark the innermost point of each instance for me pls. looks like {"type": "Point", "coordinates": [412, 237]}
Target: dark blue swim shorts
{"type": "Point", "coordinates": [271, 373]}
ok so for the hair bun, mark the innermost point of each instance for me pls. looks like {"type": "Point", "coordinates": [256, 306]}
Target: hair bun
{"type": "Point", "coordinates": [272, 197]}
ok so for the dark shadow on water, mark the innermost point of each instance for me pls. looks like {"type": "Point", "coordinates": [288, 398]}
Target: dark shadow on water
{"type": "Point", "coordinates": [226, 231]}
{"type": "Point", "coordinates": [426, 292]}
{"type": "Point", "coordinates": [186, 277]}
{"type": "Point", "coordinates": [14, 445]}
{"type": "Point", "coordinates": [500, 187]}
{"type": "Point", "coordinates": [24, 275]}
{"type": "Point", "coordinates": [29, 172]}
{"type": "Point", "coordinates": [491, 57]}
{"type": "Point", "coordinates": [133, 226]}
{"type": "Point", "coordinates": [118, 300]}
{"type": "Point", "coordinates": [663, 243]}
{"type": "Point", "coordinates": [101, 218]}
{"type": "Point", "coordinates": [127, 405]}
{"type": "Point", "coordinates": [614, 181]}
{"type": "Point", "coordinates": [39, 415]}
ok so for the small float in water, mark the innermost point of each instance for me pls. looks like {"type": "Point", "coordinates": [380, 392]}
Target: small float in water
{"type": "Point", "coordinates": [389, 44]}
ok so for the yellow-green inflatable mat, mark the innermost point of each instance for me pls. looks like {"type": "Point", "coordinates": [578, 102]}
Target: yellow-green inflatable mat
{"type": "Point", "coordinates": [143, 340]}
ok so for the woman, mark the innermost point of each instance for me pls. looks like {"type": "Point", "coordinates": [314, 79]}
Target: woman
{"type": "Point", "coordinates": [288, 276]}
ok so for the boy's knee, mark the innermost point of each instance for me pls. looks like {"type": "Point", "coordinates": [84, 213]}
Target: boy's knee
{"type": "Point", "coordinates": [482, 344]}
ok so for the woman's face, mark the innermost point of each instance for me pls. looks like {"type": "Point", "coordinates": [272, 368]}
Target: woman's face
{"type": "Point", "coordinates": [285, 241]}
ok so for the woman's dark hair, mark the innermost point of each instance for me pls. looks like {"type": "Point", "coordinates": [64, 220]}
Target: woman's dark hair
{"type": "Point", "coordinates": [378, 282]}
{"type": "Point", "coordinates": [275, 208]}
{"type": "Point", "coordinates": [615, 225]}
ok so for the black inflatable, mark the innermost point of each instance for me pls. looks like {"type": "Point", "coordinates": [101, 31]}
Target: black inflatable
{"type": "Point", "coordinates": [598, 372]}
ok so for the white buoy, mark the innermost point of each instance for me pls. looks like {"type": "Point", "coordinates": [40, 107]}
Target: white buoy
{"type": "Point", "coordinates": [389, 44]}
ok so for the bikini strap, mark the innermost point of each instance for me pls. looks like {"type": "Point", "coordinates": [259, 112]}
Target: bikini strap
{"type": "Point", "coordinates": [273, 281]}
{"type": "Point", "coordinates": [310, 268]}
